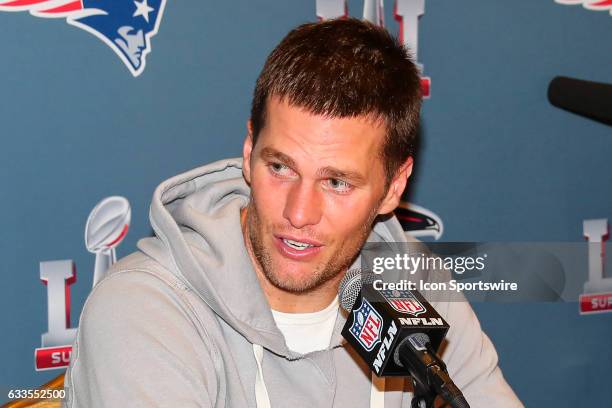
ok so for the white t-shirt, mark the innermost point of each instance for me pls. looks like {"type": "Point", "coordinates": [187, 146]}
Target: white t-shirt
{"type": "Point", "coordinates": [307, 332]}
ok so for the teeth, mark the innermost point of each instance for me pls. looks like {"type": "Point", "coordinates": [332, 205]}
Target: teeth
{"type": "Point", "coordinates": [300, 246]}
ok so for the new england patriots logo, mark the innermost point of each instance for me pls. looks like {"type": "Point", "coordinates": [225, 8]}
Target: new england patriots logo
{"type": "Point", "coordinates": [124, 25]}
{"type": "Point", "coordinates": [597, 5]}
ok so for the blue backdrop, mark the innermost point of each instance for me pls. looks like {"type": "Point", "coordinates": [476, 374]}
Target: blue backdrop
{"type": "Point", "coordinates": [498, 162]}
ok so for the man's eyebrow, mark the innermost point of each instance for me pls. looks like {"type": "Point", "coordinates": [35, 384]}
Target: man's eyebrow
{"type": "Point", "coordinates": [330, 172]}
{"type": "Point", "coordinates": [270, 153]}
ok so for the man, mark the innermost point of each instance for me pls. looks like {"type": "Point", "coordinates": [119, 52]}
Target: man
{"type": "Point", "coordinates": [233, 303]}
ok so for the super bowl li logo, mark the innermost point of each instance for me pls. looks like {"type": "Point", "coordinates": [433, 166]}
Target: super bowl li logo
{"type": "Point", "coordinates": [597, 296]}
{"type": "Point", "coordinates": [107, 225]}
{"type": "Point", "coordinates": [126, 26]}
{"type": "Point", "coordinates": [416, 221]}
{"type": "Point", "coordinates": [406, 12]}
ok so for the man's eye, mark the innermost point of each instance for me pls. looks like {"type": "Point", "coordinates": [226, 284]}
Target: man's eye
{"type": "Point", "coordinates": [279, 169]}
{"type": "Point", "coordinates": [339, 186]}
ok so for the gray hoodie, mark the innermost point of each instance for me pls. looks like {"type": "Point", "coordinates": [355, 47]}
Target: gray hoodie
{"type": "Point", "coordinates": [184, 322]}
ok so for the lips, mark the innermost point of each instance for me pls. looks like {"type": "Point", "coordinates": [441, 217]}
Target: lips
{"type": "Point", "coordinates": [300, 246]}
{"type": "Point", "coordinates": [299, 249]}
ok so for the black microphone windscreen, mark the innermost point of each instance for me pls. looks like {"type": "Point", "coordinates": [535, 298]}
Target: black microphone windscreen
{"type": "Point", "coordinates": [586, 98]}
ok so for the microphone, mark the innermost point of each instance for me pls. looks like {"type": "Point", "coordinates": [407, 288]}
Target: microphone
{"type": "Point", "coordinates": [397, 333]}
{"type": "Point", "coordinates": [586, 98]}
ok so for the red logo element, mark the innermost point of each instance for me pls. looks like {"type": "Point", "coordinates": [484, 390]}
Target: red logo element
{"type": "Point", "coordinates": [595, 303]}
{"type": "Point", "coordinates": [407, 306]}
{"type": "Point", "coordinates": [403, 301]}
{"type": "Point", "coordinates": [367, 324]}
{"type": "Point", "coordinates": [371, 330]}
{"type": "Point", "coordinates": [52, 357]}
{"type": "Point", "coordinates": [596, 5]}
{"type": "Point", "coordinates": [426, 87]}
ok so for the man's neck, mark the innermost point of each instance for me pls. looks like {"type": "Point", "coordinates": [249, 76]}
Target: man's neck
{"type": "Point", "coordinates": [286, 302]}
{"type": "Point", "coordinates": [282, 300]}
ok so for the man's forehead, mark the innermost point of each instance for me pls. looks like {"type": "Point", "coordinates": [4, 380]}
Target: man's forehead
{"type": "Point", "coordinates": [348, 144]}
{"type": "Point", "coordinates": [366, 131]}
{"type": "Point", "coordinates": [373, 118]}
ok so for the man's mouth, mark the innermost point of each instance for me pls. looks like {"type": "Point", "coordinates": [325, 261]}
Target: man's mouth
{"type": "Point", "coordinates": [300, 246]}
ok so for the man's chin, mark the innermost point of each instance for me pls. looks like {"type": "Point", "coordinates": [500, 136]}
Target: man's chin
{"type": "Point", "coordinates": [294, 280]}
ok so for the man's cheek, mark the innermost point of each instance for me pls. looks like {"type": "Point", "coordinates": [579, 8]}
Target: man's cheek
{"type": "Point", "coordinates": [345, 216]}
{"type": "Point", "coordinates": [269, 208]}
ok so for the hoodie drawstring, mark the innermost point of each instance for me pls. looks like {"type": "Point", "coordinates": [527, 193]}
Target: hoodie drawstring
{"type": "Point", "coordinates": [377, 392]}
{"type": "Point", "coordinates": [262, 399]}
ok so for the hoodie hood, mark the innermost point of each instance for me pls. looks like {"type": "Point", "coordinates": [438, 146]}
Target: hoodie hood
{"type": "Point", "coordinates": [196, 219]}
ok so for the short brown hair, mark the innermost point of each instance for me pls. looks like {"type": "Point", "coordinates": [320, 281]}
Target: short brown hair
{"type": "Point", "coordinates": [346, 68]}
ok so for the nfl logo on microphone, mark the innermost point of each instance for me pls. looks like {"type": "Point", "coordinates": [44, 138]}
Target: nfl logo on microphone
{"type": "Point", "coordinates": [367, 325]}
{"type": "Point", "coordinates": [403, 301]}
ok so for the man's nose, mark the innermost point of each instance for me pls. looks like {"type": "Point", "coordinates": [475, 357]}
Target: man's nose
{"type": "Point", "coordinates": [304, 205]}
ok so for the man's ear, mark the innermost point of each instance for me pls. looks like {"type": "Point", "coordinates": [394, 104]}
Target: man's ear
{"type": "Point", "coordinates": [396, 188]}
{"type": "Point", "coordinates": [247, 148]}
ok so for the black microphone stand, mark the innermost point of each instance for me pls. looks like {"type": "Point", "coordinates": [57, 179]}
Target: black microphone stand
{"type": "Point", "coordinates": [430, 378]}
{"type": "Point", "coordinates": [423, 396]}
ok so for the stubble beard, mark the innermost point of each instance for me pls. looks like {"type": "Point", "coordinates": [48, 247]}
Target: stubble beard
{"type": "Point", "coordinates": [321, 274]}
